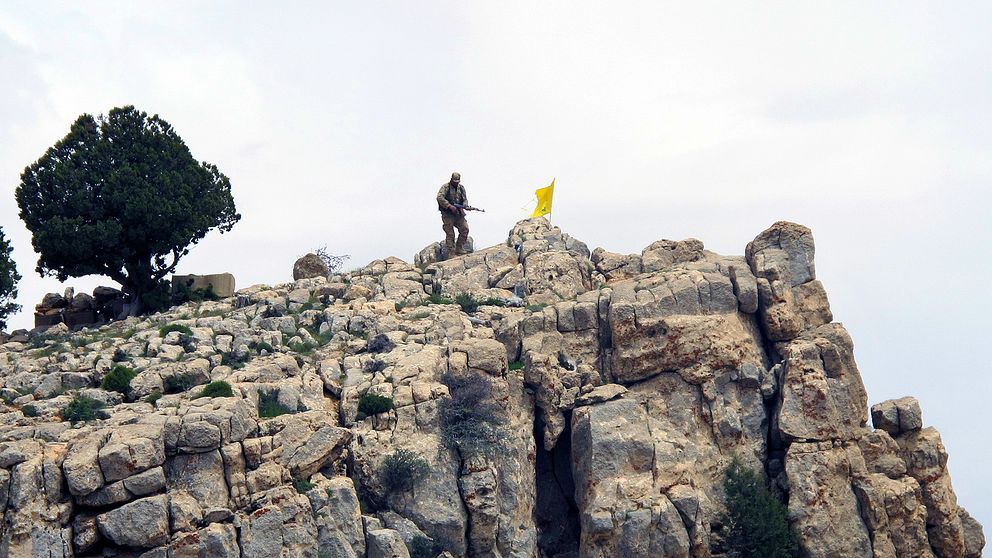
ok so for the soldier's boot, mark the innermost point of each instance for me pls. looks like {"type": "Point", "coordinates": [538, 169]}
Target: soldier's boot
{"type": "Point", "coordinates": [460, 246]}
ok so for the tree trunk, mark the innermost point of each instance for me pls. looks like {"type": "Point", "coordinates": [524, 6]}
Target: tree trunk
{"type": "Point", "coordinates": [139, 283]}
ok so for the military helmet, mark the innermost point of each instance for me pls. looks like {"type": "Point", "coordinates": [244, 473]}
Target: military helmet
{"type": "Point", "coordinates": [456, 177]}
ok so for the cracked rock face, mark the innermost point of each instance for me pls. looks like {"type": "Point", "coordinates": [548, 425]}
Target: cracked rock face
{"type": "Point", "coordinates": [615, 390]}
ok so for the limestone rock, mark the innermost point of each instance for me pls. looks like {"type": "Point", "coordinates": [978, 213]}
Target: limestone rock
{"type": "Point", "coordinates": [338, 517]}
{"type": "Point", "coordinates": [142, 523]}
{"type": "Point", "coordinates": [665, 253]}
{"type": "Point", "coordinates": [785, 250]}
{"type": "Point", "coordinates": [601, 394]}
{"type": "Point", "coordinates": [616, 267]}
{"type": "Point", "coordinates": [896, 416]}
{"type": "Point", "coordinates": [822, 395]}
{"type": "Point", "coordinates": [132, 449]}
{"type": "Point", "coordinates": [386, 543]}
{"type": "Point", "coordinates": [281, 524]}
{"type": "Point", "coordinates": [823, 507]}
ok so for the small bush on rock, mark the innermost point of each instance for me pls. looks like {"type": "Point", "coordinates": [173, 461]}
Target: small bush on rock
{"type": "Point", "coordinates": [82, 409]}
{"type": "Point", "coordinates": [380, 344]}
{"type": "Point", "coordinates": [119, 379]}
{"type": "Point", "coordinates": [269, 405]}
{"type": "Point", "coordinates": [262, 346]}
{"type": "Point", "coordinates": [302, 485]}
{"type": "Point", "coordinates": [402, 469]}
{"type": "Point", "coordinates": [187, 343]}
{"type": "Point", "coordinates": [29, 410]}
{"type": "Point", "coordinates": [220, 388]}
{"type": "Point", "coordinates": [234, 360]}
{"type": "Point", "coordinates": [153, 397]}
{"type": "Point", "coordinates": [179, 383]}
{"type": "Point", "coordinates": [467, 302]}
{"type": "Point", "coordinates": [372, 404]}
{"type": "Point", "coordinates": [165, 330]}
{"type": "Point", "coordinates": [472, 421]}
{"type": "Point", "coordinates": [373, 366]}
{"type": "Point", "coordinates": [422, 547]}
{"type": "Point", "coordinates": [438, 299]}
{"type": "Point", "coordinates": [756, 523]}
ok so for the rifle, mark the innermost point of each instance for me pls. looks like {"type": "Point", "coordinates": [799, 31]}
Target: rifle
{"type": "Point", "coordinates": [467, 207]}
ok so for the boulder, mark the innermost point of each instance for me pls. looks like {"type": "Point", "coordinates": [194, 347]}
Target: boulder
{"type": "Point", "coordinates": [784, 250]}
{"type": "Point", "coordinates": [310, 266]}
{"type": "Point", "coordinates": [896, 416]}
{"type": "Point", "coordinates": [143, 523]}
{"type": "Point", "coordinates": [339, 517]}
{"type": "Point", "coordinates": [386, 543]}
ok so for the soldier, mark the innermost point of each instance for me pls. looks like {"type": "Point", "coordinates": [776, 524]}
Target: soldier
{"type": "Point", "coordinates": [451, 193]}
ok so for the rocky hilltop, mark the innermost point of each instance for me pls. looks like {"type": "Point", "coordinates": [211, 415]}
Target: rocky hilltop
{"type": "Point", "coordinates": [609, 392]}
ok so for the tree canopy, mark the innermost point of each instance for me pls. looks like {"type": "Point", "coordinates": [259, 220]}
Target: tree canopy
{"type": "Point", "coordinates": [8, 282]}
{"type": "Point", "coordinates": [757, 523]}
{"type": "Point", "coordinates": [121, 196]}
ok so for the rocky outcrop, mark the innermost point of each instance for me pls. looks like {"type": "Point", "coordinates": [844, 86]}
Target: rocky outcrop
{"type": "Point", "coordinates": [309, 266]}
{"type": "Point", "coordinates": [611, 390]}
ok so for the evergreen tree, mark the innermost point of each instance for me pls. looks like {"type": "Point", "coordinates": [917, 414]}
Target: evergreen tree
{"type": "Point", "coordinates": [756, 523]}
{"type": "Point", "coordinates": [8, 282]}
{"type": "Point", "coordinates": [121, 196]}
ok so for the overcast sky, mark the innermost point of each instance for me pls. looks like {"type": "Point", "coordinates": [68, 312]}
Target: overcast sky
{"type": "Point", "coordinates": [871, 123]}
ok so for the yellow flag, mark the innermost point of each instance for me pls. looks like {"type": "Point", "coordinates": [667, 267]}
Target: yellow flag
{"type": "Point", "coordinates": [544, 196]}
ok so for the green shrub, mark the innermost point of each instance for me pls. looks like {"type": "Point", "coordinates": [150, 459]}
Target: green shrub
{"type": "Point", "coordinates": [269, 405]}
{"type": "Point", "coordinates": [303, 348]}
{"type": "Point", "coordinates": [422, 547]}
{"type": "Point", "coordinates": [153, 397]}
{"type": "Point", "coordinates": [82, 409]}
{"type": "Point", "coordinates": [262, 346]}
{"type": "Point", "coordinates": [401, 470]}
{"type": "Point", "coordinates": [29, 410]}
{"type": "Point", "coordinates": [372, 404]}
{"type": "Point", "coordinates": [302, 485]}
{"type": "Point", "coordinates": [119, 379]}
{"type": "Point", "coordinates": [438, 299]}
{"type": "Point", "coordinates": [467, 302]}
{"type": "Point", "coordinates": [187, 343]}
{"type": "Point", "coordinates": [120, 356]}
{"type": "Point", "coordinates": [472, 421]}
{"type": "Point", "coordinates": [271, 312]}
{"type": "Point", "coordinates": [220, 388]}
{"type": "Point", "coordinates": [373, 366]}
{"type": "Point", "coordinates": [165, 330]}
{"type": "Point", "coordinates": [756, 523]}
{"type": "Point", "coordinates": [536, 307]}
{"type": "Point", "coordinates": [179, 383]}
{"type": "Point", "coordinates": [234, 360]}
{"type": "Point", "coordinates": [380, 344]}
{"type": "Point", "coordinates": [184, 293]}
{"type": "Point", "coordinates": [516, 365]}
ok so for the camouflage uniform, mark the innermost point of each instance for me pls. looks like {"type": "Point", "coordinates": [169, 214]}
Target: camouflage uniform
{"type": "Point", "coordinates": [452, 192]}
